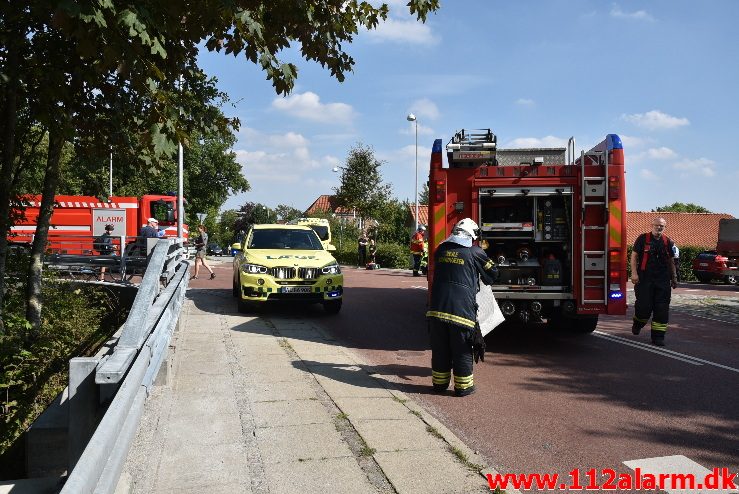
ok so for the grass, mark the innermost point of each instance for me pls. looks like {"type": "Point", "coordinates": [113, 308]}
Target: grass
{"type": "Point", "coordinates": [462, 457]}
{"type": "Point", "coordinates": [434, 432]}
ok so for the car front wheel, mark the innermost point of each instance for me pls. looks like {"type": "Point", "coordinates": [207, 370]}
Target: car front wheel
{"type": "Point", "coordinates": [332, 306]}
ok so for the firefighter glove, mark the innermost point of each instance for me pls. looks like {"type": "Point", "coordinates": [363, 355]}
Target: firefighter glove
{"type": "Point", "coordinates": [478, 344]}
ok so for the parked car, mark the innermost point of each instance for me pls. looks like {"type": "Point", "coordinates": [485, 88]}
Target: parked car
{"type": "Point", "coordinates": [288, 263]}
{"type": "Point", "coordinates": [710, 265]}
{"type": "Point", "coordinates": [214, 250]}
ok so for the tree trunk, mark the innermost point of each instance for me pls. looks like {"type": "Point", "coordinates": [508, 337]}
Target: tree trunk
{"type": "Point", "coordinates": [8, 130]}
{"type": "Point", "coordinates": [51, 180]}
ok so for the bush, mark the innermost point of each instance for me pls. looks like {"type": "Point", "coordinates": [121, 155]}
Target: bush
{"type": "Point", "coordinates": [34, 365]}
{"type": "Point", "coordinates": [393, 256]}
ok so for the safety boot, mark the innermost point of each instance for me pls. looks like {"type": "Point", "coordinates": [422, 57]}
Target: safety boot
{"type": "Point", "coordinates": [635, 328]}
{"type": "Point", "coordinates": [464, 392]}
{"type": "Point", "coordinates": [658, 340]}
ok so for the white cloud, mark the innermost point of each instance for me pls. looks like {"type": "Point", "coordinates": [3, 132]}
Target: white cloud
{"type": "Point", "coordinates": [631, 142]}
{"type": "Point", "coordinates": [308, 106]}
{"type": "Point", "coordinates": [425, 109]}
{"type": "Point", "coordinates": [639, 15]}
{"type": "Point", "coordinates": [701, 167]}
{"type": "Point", "coordinates": [525, 102]}
{"type": "Point", "coordinates": [291, 139]}
{"type": "Point", "coordinates": [661, 153]}
{"type": "Point", "coordinates": [647, 174]}
{"type": "Point", "coordinates": [403, 31]}
{"type": "Point", "coordinates": [535, 142]}
{"type": "Point", "coordinates": [655, 120]}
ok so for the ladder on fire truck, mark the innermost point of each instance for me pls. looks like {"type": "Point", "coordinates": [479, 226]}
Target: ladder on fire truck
{"type": "Point", "coordinates": [594, 195]}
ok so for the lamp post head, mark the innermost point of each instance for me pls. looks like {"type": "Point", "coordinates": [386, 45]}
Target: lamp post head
{"type": "Point", "coordinates": [411, 117]}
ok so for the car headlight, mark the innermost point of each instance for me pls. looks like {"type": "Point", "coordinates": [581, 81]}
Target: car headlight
{"type": "Point", "coordinates": [253, 269]}
{"type": "Point", "coordinates": [331, 269]}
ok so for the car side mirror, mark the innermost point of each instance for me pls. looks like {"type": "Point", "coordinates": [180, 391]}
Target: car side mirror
{"type": "Point", "coordinates": [330, 247]}
{"type": "Point", "coordinates": [236, 246]}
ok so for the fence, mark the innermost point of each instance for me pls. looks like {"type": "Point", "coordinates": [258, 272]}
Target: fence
{"type": "Point", "coordinates": [126, 374]}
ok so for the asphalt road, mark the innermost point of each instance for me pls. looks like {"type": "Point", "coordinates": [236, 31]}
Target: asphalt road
{"type": "Point", "coordinates": [551, 402]}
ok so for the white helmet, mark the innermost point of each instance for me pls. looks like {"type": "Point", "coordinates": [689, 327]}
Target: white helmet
{"type": "Point", "coordinates": [421, 228]}
{"type": "Point", "coordinates": [469, 227]}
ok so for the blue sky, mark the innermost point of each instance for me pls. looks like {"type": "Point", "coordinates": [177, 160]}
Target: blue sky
{"type": "Point", "coordinates": [662, 74]}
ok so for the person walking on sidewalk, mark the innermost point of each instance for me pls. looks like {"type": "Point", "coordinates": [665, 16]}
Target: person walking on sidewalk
{"type": "Point", "coordinates": [417, 247]}
{"type": "Point", "coordinates": [654, 276]}
{"type": "Point", "coordinates": [452, 316]}
{"type": "Point", "coordinates": [201, 244]}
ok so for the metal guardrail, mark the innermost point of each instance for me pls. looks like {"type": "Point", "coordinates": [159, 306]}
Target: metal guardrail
{"type": "Point", "coordinates": [133, 365]}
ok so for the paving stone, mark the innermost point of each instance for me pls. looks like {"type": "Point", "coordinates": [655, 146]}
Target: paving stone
{"type": "Point", "coordinates": [380, 408]}
{"type": "Point", "coordinates": [397, 435]}
{"type": "Point", "coordinates": [427, 472]}
{"type": "Point", "coordinates": [331, 475]}
{"type": "Point", "coordinates": [292, 412]}
{"type": "Point", "coordinates": [300, 442]}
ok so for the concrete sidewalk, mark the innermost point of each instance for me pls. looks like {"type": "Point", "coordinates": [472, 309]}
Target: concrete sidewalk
{"type": "Point", "coordinates": [274, 405]}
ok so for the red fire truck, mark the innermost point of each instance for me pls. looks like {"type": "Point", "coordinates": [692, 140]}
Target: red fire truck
{"type": "Point", "coordinates": [554, 223]}
{"type": "Point", "coordinates": [77, 220]}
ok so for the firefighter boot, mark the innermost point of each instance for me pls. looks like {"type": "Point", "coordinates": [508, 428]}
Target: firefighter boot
{"type": "Point", "coordinates": [637, 325]}
{"type": "Point", "coordinates": [464, 392]}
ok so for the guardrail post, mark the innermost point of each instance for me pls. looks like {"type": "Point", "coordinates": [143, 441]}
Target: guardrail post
{"type": "Point", "coordinates": [83, 406]}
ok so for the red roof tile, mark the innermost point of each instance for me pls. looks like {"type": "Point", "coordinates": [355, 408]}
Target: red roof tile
{"type": "Point", "coordinates": [327, 204]}
{"type": "Point", "coordinates": [689, 229]}
{"type": "Point", "coordinates": [423, 214]}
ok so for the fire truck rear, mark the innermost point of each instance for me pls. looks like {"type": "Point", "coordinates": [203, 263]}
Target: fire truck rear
{"type": "Point", "coordinates": [553, 223]}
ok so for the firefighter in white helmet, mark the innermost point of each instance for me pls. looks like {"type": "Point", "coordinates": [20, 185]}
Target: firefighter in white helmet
{"type": "Point", "coordinates": [455, 334]}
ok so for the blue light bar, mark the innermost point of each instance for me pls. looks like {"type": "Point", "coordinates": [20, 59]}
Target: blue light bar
{"type": "Point", "coordinates": [613, 142]}
{"type": "Point", "coordinates": [437, 146]}
{"type": "Point", "coordinates": [616, 295]}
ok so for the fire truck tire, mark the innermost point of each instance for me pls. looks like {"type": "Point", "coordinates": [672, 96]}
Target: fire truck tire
{"type": "Point", "coordinates": [575, 324]}
{"type": "Point", "coordinates": [731, 280]}
{"type": "Point", "coordinates": [584, 324]}
{"type": "Point", "coordinates": [332, 306]}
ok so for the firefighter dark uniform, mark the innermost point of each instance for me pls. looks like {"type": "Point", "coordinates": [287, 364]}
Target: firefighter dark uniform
{"type": "Point", "coordinates": [452, 314]}
{"type": "Point", "coordinates": [653, 292]}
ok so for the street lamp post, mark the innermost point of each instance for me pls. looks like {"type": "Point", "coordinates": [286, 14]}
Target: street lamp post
{"type": "Point", "coordinates": [412, 118]}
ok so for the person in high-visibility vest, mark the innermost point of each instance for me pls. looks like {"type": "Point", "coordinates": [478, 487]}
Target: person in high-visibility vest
{"type": "Point", "coordinates": [417, 247]}
{"type": "Point", "coordinates": [654, 275]}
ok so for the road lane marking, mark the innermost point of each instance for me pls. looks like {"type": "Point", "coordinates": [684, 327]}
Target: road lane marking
{"type": "Point", "coordinates": [676, 464]}
{"type": "Point", "coordinates": [662, 351]}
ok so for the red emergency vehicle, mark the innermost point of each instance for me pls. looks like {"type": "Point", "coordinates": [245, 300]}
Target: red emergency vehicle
{"type": "Point", "coordinates": [77, 220]}
{"type": "Point", "coordinates": [553, 223]}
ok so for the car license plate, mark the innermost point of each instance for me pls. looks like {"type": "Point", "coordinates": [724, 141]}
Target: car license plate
{"type": "Point", "coordinates": [295, 289]}
{"type": "Point", "coordinates": [703, 264]}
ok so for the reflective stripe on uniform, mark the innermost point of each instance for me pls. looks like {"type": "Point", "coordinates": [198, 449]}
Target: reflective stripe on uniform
{"type": "Point", "coordinates": [643, 321]}
{"type": "Point", "coordinates": [440, 377]}
{"type": "Point", "coordinates": [444, 316]}
{"type": "Point", "coordinates": [463, 382]}
{"type": "Point", "coordinates": [659, 326]}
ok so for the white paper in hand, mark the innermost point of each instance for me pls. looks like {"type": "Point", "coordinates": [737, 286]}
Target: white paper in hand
{"type": "Point", "coordinates": [489, 315]}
